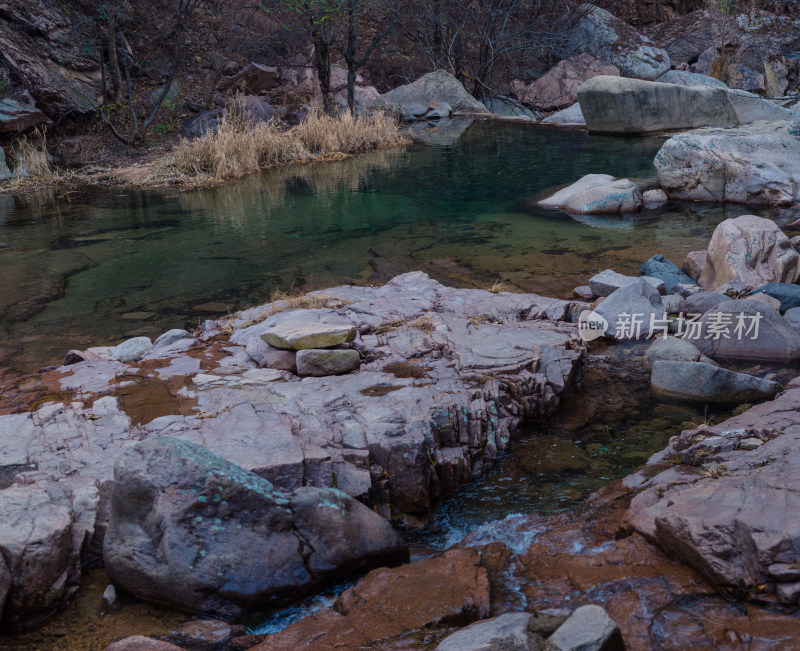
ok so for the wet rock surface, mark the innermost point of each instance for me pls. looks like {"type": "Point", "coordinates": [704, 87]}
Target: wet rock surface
{"type": "Point", "coordinates": [449, 590]}
{"type": "Point", "coordinates": [192, 531]}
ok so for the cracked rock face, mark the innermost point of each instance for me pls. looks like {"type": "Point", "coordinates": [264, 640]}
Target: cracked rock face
{"type": "Point", "coordinates": [447, 375]}
{"type": "Point", "coordinates": [728, 507]}
{"type": "Point", "coordinates": [193, 531]}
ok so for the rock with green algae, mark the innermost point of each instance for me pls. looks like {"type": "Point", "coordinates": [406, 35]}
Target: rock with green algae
{"type": "Point", "coordinates": [192, 531]}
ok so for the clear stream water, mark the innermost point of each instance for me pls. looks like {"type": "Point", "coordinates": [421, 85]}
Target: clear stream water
{"type": "Point", "coordinates": [93, 268]}
{"type": "Point", "coordinates": [96, 267]}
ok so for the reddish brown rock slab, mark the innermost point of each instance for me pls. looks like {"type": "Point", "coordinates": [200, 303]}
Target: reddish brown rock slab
{"type": "Point", "coordinates": [729, 507]}
{"type": "Point", "coordinates": [587, 557]}
{"type": "Point", "coordinates": [448, 590]}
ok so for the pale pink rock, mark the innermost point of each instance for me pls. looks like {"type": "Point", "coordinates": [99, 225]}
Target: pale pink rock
{"type": "Point", "coordinates": [559, 86]}
{"type": "Point", "coordinates": [749, 249]}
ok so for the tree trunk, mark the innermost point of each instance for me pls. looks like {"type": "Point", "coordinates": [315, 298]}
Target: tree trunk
{"type": "Point", "coordinates": [113, 59]}
{"type": "Point", "coordinates": [322, 58]}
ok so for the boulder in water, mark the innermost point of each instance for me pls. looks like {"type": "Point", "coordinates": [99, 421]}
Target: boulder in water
{"type": "Point", "coordinates": [596, 194]}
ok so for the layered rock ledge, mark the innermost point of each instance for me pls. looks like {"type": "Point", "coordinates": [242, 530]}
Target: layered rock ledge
{"type": "Point", "coordinates": [446, 376]}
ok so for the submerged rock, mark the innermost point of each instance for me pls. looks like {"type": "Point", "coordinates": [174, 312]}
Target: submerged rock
{"type": "Point", "coordinates": [698, 382]}
{"type": "Point", "coordinates": [141, 643]}
{"type": "Point", "coordinates": [619, 105]}
{"type": "Point", "coordinates": [193, 531]}
{"type": "Point", "coordinates": [671, 348]}
{"type": "Point", "coordinates": [596, 193]}
{"type": "Point", "coordinates": [205, 635]}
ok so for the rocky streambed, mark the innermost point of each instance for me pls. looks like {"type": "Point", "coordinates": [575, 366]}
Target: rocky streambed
{"type": "Point", "coordinates": [383, 436]}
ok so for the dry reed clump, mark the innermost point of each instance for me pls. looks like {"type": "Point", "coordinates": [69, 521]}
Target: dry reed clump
{"type": "Point", "coordinates": [33, 165]}
{"type": "Point", "coordinates": [240, 147]}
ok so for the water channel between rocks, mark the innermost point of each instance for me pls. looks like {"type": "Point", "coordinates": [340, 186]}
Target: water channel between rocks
{"type": "Point", "coordinates": [96, 267]}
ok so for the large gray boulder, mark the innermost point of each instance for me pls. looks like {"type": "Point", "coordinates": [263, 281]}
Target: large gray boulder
{"type": "Point", "coordinates": [757, 164]}
{"type": "Point", "coordinates": [698, 382]}
{"type": "Point", "coordinates": [596, 194]}
{"type": "Point", "coordinates": [745, 329]}
{"type": "Point", "coordinates": [438, 86]}
{"type": "Point", "coordinates": [749, 107]}
{"type": "Point", "coordinates": [751, 250]}
{"type": "Point", "coordinates": [601, 34]}
{"type": "Point", "coordinates": [192, 531]}
{"type": "Point", "coordinates": [631, 310]}
{"type": "Point", "coordinates": [619, 105]}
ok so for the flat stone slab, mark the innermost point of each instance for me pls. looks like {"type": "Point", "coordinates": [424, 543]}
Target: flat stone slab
{"type": "Point", "coordinates": [301, 335]}
{"type": "Point", "coordinates": [318, 362]}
